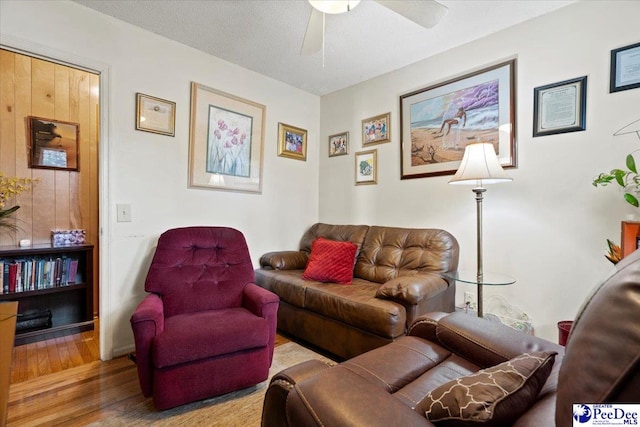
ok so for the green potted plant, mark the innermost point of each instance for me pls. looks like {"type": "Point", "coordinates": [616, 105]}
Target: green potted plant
{"type": "Point", "coordinates": [629, 180]}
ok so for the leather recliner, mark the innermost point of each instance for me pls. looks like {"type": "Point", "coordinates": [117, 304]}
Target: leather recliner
{"type": "Point", "coordinates": [388, 386]}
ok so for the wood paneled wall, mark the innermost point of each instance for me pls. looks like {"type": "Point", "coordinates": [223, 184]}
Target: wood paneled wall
{"type": "Point", "coordinates": [62, 199]}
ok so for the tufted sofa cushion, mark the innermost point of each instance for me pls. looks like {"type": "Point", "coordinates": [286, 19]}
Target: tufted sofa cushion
{"type": "Point", "coordinates": [197, 278]}
{"type": "Point", "coordinates": [390, 252]}
{"type": "Point", "coordinates": [343, 233]}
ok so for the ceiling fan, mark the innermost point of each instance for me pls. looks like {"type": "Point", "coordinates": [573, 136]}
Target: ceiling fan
{"type": "Point", "coordinates": [426, 13]}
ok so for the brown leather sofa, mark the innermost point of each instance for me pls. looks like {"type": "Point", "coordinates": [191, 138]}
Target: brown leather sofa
{"type": "Point", "coordinates": [398, 276]}
{"type": "Point", "coordinates": [388, 386]}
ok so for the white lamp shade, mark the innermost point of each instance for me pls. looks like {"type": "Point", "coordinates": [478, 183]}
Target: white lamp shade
{"type": "Point", "coordinates": [334, 6]}
{"type": "Point", "coordinates": [479, 166]}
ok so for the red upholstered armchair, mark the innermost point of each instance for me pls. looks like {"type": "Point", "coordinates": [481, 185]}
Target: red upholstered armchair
{"type": "Point", "coordinates": [205, 328]}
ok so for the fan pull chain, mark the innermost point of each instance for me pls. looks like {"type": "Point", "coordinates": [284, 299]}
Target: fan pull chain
{"type": "Point", "coordinates": [323, 33]}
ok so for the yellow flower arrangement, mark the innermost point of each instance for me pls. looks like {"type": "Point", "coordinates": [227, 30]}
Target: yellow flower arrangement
{"type": "Point", "coordinates": [10, 187]}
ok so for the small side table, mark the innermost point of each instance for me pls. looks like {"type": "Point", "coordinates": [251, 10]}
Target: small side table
{"type": "Point", "coordinates": [488, 279]}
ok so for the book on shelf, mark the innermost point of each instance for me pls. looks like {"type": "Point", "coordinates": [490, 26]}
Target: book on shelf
{"type": "Point", "coordinates": [37, 273]}
{"type": "Point", "coordinates": [19, 276]}
{"type": "Point", "coordinates": [73, 270]}
{"type": "Point", "coordinates": [13, 276]}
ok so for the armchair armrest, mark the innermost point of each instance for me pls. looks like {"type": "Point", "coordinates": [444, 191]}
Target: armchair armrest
{"type": "Point", "coordinates": [480, 340]}
{"type": "Point", "coordinates": [284, 260]}
{"type": "Point", "coordinates": [315, 394]}
{"type": "Point", "coordinates": [147, 322]}
{"type": "Point", "coordinates": [263, 303]}
{"type": "Point", "coordinates": [412, 289]}
{"type": "Point", "coordinates": [259, 301]}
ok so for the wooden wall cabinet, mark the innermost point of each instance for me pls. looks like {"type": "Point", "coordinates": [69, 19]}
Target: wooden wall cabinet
{"type": "Point", "coordinates": [57, 279]}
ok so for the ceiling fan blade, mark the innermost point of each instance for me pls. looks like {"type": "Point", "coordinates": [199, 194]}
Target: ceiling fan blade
{"type": "Point", "coordinates": [314, 34]}
{"type": "Point", "coordinates": [426, 13]}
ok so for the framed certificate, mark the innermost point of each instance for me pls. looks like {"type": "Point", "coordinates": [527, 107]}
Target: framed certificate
{"type": "Point", "coordinates": [625, 68]}
{"type": "Point", "coordinates": [560, 107]}
{"type": "Point", "coordinates": [155, 115]}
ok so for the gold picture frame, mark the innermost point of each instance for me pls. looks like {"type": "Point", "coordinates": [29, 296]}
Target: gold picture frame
{"type": "Point", "coordinates": [339, 144]}
{"type": "Point", "coordinates": [376, 130]}
{"type": "Point", "coordinates": [366, 167]}
{"type": "Point", "coordinates": [226, 141]}
{"type": "Point", "coordinates": [155, 115]}
{"type": "Point", "coordinates": [292, 142]}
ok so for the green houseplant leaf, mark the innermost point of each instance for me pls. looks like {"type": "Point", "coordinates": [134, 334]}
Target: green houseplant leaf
{"type": "Point", "coordinates": [631, 164]}
{"type": "Point", "coordinates": [631, 199]}
{"type": "Point", "coordinates": [619, 175]}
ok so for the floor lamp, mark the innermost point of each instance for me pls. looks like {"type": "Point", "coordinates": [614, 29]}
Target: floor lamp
{"type": "Point", "coordinates": [479, 166]}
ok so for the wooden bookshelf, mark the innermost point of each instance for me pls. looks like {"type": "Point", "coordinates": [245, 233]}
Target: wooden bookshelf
{"type": "Point", "coordinates": [69, 300]}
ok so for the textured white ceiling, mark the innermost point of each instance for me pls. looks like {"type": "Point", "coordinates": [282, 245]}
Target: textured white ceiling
{"type": "Point", "coordinates": [266, 35]}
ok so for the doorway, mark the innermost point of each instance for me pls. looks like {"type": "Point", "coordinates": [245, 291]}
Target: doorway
{"type": "Point", "coordinates": [32, 86]}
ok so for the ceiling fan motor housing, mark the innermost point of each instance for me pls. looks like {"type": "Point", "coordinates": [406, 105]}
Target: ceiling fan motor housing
{"type": "Point", "coordinates": [334, 6]}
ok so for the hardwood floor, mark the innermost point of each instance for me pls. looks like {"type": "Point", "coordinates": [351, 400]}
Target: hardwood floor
{"type": "Point", "coordinates": [49, 389]}
{"type": "Point", "coordinates": [54, 355]}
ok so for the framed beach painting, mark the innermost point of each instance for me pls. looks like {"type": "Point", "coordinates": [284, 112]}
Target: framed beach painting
{"type": "Point", "coordinates": [292, 142]}
{"type": "Point", "coordinates": [339, 144]}
{"type": "Point", "coordinates": [376, 130]}
{"type": "Point", "coordinates": [367, 167]}
{"type": "Point", "coordinates": [226, 140]}
{"type": "Point", "coordinates": [438, 122]}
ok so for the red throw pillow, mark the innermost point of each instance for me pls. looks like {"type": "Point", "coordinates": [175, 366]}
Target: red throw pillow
{"type": "Point", "coordinates": [331, 261]}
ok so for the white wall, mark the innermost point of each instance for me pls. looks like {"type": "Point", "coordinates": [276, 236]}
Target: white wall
{"type": "Point", "coordinates": [149, 171]}
{"type": "Point", "coordinates": [548, 227]}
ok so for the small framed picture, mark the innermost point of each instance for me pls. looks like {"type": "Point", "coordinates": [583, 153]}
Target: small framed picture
{"type": "Point", "coordinates": [560, 107]}
{"type": "Point", "coordinates": [155, 115]}
{"type": "Point", "coordinates": [53, 144]}
{"type": "Point", "coordinates": [376, 130]}
{"type": "Point", "coordinates": [339, 144]}
{"type": "Point", "coordinates": [292, 142]}
{"type": "Point", "coordinates": [625, 68]}
{"type": "Point", "coordinates": [367, 167]}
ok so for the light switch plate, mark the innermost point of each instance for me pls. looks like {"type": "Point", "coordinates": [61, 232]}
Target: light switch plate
{"type": "Point", "coordinates": [124, 213]}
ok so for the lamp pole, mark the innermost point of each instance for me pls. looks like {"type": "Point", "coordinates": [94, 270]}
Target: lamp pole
{"type": "Point", "coordinates": [479, 165]}
{"type": "Point", "coordinates": [479, 190]}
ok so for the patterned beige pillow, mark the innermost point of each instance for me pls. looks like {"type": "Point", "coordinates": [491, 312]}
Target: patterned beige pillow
{"type": "Point", "coordinates": [495, 396]}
